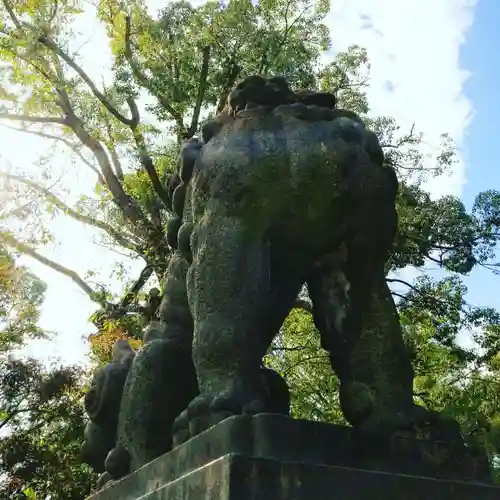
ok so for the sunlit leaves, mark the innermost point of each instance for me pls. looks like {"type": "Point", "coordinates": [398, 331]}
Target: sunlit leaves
{"type": "Point", "coordinates": [347, 77]}
{"type": "Point", "coordinates": [138, 183]}
{"type": "Point", "coordinates": [101, 343]}
{"type": "Point", "coordinates": [297, 356]}
{"type": "Point", "coordinates": [21, 295]}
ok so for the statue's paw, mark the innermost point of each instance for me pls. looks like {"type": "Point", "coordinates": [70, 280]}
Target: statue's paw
{"type": "Point", "coordinates": [439, 427]}
{"type": "Point", "coordinates": [117, 462]}
{"type": "Point", "coordinates": [388, 422]}
{"type": "Point", "coordinates": [193, 420]}
{"type": "Point", "coordinates": [208, 410]}
{"type": "Point", "coordinates": [104, 480]}
{"type": "Point", "coordinates": [415, 421]}
{"type": "Point", "coordinates": [428, 424]}
{"type": "Point", "coordinates": [229, 403]}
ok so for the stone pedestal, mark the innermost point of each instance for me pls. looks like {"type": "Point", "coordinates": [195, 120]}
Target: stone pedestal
{"type": "Point", "coordinates": [271, 457]}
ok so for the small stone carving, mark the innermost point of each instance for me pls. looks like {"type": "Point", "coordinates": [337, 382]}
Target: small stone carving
{"type": "Point", "coordinates": [102, 403]}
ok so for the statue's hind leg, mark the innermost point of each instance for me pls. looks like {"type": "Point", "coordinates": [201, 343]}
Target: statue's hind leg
{"type": "Point", "coordinates": [359, 326]}
{"type": "Point", "coordinates": [381, 363]}
{"type": "Point", "coordinates": [367, 351]}
{"type": "Point", "coordinates": [356, 315]}
{"type": "Point", "coordinates": [228, 286]}
{"type": "Point", "coordinates": [364, 338]}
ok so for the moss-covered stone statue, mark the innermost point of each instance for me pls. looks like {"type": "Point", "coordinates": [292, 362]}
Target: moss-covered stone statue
{"type": "Point", "coordinates": [282, 189]}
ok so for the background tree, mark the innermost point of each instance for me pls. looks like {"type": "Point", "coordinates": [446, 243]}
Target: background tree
{"type": "Point", "coordinates": [42, 422]}
{"type": "Point", "coordinates": [171, 73]}
{"type": "Point", "coordinates": [21, 294]}
{"type": "Point", "coordinates": [41, 415]}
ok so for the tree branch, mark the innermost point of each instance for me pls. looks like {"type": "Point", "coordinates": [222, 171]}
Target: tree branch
{"type": "Point", "coordinates": [86, 219]}
{"type": "Point", "coordinates": [286, 32]}
{"type": "Point", "coordinates": [130, 210]}
{"type": "Point", "coordinates": [142, 226]}
{"type": "Point", "coordinates": [395, 280]}
{"type": "Point", "coordinates": [147, 163]}
{"type": "Point", "coordinates": [116, 162]}
{"type": "Point", "coordinates": [66, 142]}
{"type": "Point", "coordinates": [51, 45]}
{"type": "Point", "coordinates": [13, 242]}
{"type": "Point", "coordinates": [12, 14]}
{"type": "Point", "coordinates": [131, 294]}
{"type": "Point", "coordinates": [143, 80]}
{"type": "Point", "coordinates": [128, 206]}
{"type": "Point", "coordinates": [402, 297]}
{"type": "Point", "coordinates": [33, 119]}
{"type": "Point", "coordinates": [201, 93]}
{"type": "Point", "coordinates": [43, 72]}
{"type": "Point", "coordinates": [233, 73]}
{"type": "Point", "coordinates": [295, 348]}
{"type": "Point", "coordinates": [111, 147]}
{"type": "Point", "coordinates": [323, 357]}
{"type": "Point", "coordinates": [11, 415]}
{"type": "Point", "coordinates": [407, 139]}
{"type": "Point", "coordinates": [144, 157]}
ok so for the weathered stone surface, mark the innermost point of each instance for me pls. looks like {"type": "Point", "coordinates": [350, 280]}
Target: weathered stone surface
{"type": "Point", "coordinates": [236, 477]}
{"type": "Point", "coordinates": [292, 459]}
{"type": "Point", "coordinates": [284, 190]}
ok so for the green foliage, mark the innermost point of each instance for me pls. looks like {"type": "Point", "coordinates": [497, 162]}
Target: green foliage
{"type": "Point", "coordinates": [297, 356]}
{"type": "Point", "coordinates": [347, 77]}
{"type": "Point", "coordinates": [21, 295]}
{"type": "Point", "coordinates": [444, 232]}
{"type": "Point", "coordinates": [138, 183]}
{"type": "Point", "coordinates": [42, 422]}
{"type": "Point", "coordinates": [41, 412]}
{"type": "Point", "coordinates": [244, 39]}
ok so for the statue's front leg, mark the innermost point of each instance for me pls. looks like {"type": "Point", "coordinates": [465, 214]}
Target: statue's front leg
{"type": "Point", "coordinates": [228, 284]}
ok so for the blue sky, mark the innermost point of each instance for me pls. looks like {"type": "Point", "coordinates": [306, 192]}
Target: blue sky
{"type": "Point", "coordinates": [482, 155]}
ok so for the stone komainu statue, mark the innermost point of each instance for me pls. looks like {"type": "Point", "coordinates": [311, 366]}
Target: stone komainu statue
{"type": "Point", "coordinates": [283, 190]}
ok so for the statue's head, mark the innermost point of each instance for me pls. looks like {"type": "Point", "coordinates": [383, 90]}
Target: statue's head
{"type": "Point", "coordinates": [271, 92]}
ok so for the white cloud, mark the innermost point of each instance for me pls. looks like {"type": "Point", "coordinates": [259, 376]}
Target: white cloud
{"type": "Point", "coordinates": [413, 47]}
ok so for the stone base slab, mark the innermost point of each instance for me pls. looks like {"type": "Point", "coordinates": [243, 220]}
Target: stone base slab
{"type": "Point", "coordinates": [272, 457]}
